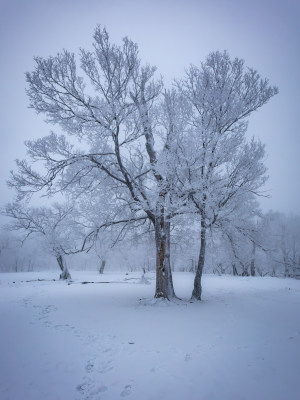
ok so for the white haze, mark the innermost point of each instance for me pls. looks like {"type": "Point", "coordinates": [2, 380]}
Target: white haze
{"type": "Point", "coordinates": [170, 35]}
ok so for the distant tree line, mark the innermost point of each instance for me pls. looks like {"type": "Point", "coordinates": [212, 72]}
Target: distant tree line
{"type": "Point", "coordinates": [273, 251]}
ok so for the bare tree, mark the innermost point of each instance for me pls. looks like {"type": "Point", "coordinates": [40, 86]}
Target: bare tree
{"type": "Point", "coordinates": [162, 154]}
{"type": "Point", "coordinates": [281, 236]}
{"type": "Point", "coordinates": [223, 167]}
{"type": "Point", "coordinates": [113, 114]}
{"type": "Point", "coordinates": [56, 226]}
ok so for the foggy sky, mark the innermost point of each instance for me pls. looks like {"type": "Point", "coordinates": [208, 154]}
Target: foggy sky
{"type": "Point", "coordinates": [170, 35]}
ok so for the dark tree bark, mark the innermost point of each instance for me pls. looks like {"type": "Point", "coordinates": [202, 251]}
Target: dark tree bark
{"type": "Point", "coordinates": [102, 266]}
{"type": "Point", "coordinates": [252, 265]}
{"type": "Point", "coordinates": [65, 274]}
{"type": "Point", "coordinates": [234, 270]}
{"type": "Point", "coordinates": [197, 291]}
{"type": "Point", "coordinates": [164, 281]}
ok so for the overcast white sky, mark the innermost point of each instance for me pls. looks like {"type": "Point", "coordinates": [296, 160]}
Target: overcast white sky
{"type": "Point", "coordinates": [171, 34]}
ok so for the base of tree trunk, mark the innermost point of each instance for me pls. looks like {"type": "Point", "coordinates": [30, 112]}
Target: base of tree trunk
{"type": "Point", "coordinates": [197, 291]}
{"type": "Point", "coordinates": [101, 269]}
{"type": "Point", "coordinates": [163, 296]}
{"type": "Point", "coordinates": [160, 301]}
{"type": "Point", "coordinates": [196, 296]}
{"type": "Point", "coordinates": [65, 275]}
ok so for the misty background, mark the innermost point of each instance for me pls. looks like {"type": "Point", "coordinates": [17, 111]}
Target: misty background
{"type": "Point", "coordinates": [170, 35]}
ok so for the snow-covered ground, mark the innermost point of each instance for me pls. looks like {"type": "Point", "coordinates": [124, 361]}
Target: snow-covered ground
{"type": "Point", "coordinates": [98, 341]}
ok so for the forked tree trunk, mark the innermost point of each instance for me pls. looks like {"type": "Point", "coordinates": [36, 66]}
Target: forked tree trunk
{"type": "Point", "coordinates": [164, 282]}
{"type": "Point", "coordinates": [197, 291]}
{"type": "Point", "coordinates": [65, 274]}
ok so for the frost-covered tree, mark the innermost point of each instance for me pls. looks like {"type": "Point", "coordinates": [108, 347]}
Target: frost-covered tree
{"type": "Point", "coordinates": [108, 115]}
{"type": "Point", "coordinates": [240, 237]}
{"type": "Point", "coordinates": [281, 237]}
{"type": "Point", "coordinates": [109, 217]}
{"type": "Point", "coordinates": [161, 154]}
{"type": "Point", "coordinates": [55, 227]}
{"type": "Point", "coordinates": [219, 168]}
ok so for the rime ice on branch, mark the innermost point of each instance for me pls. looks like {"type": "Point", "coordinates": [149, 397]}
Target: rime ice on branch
{"type": "Point", "coordinates": [163, 153]}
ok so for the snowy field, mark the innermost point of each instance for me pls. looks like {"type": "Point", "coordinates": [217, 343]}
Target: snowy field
{"type": "Point", "coordinates": [98, 341]}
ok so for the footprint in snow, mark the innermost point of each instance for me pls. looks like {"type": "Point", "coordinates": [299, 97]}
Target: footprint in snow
{"type": "Point", "coordinates": [89, 390]}
{"type": "Point", "coordinates": [81, 388]}
{"type": "Point", "coordinates": [46, 311]}
{"type": "Point", "coordinates": [126, 391]}
{"type": "Point", "coordinates": [89, 366]}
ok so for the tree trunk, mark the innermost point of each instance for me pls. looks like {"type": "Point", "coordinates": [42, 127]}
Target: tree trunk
{"type": "Point", "coordinates": [65, 274]}
{"type": "Point", "coordinates": [252, 265]}
{"type": "Point", "coordinates": [197, 291]}
{"type": "Point", "coordinates": [101, 269]}
{"type": "Point", "coordinates": [234, 270]}
{"type": "Point", "coordinates": [286, 264]}
{"type": "Point", "coordinates": [164, 282]}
